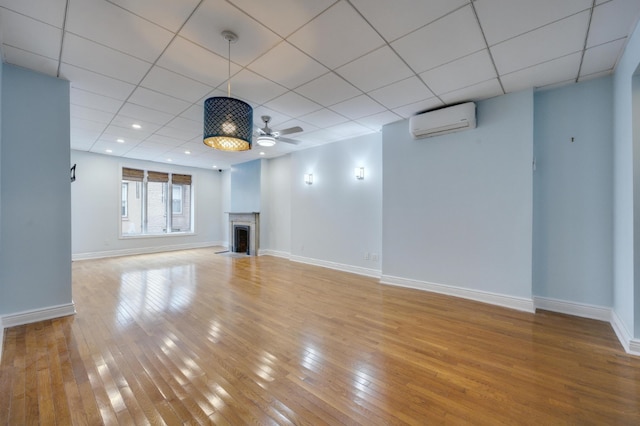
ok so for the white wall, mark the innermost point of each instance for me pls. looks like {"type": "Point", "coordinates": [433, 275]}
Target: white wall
{"type": "Point", "coordinates": [573, 222]}
{"type": "Point", "coordinates": [275, 215]}
{"type": "Point", "coordinates": [337, 219]}
{"type": "Point", "coordinates": [35, 223]}
{"type": "Point", "coordinates": [95, 198]}
{"type": "Point", "coordinates": [457, 209]}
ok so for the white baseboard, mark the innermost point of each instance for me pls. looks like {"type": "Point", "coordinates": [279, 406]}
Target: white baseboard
{"type": "Point", "coordinates": [275, 253]}
{"type": "Point", "coordinates": [512, 302]}
{"type": "Point", "coordinates": [35, 315]}
{"type": "Point", "coordinates": [375, 273]}
{"type": "Point", "coordinates": [143, 250]}
{"type": "Point", "coordinates": [630, 345]}
{"type": "Point", "coordinates": [600, 313]}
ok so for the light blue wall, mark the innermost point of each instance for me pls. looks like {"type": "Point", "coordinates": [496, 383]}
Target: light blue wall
{"type": "Point", "coordinates": [457, 209]}
{"type": "Point", "coordinates": [245, 187]}
{"type": "Point", "coordinates": [35, 262]}
{"type": "Point", "coordinates": [573, 181]}
{"type": "Point", "coordinates": [338, 218]}
{"type": "Point", "coordinates": [625, 307]}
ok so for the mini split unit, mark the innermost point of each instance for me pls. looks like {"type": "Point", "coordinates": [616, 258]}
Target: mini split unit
{"type": "Point", "coordinates": [442, 121]}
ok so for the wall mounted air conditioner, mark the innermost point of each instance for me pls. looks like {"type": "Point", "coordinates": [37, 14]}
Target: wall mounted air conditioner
{"type": "Point", "coordinates": [442, 121]}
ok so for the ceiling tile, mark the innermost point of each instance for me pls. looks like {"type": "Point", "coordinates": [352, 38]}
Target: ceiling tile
{"type": "Point", "coordinates": [293, 105]}
{"type": "Point", "coordinates": [602, 57]}
{"type": "Point", "coordinates": [255, 88]}
{"type": "Point", "coordinates": [306, 127]}
{"type": "Point", "coordinates": [376, 121]}
{"type": "Point", "coordinates": [82, 139]}
{"type": "Point", "coordinates": [460, 73]}
{"type": "Point", "coordinates": [195, 113]}
{"type": "Point", "coordinates": [504, 19]}
{"type": "Point", "coordinates": [109, 147]}
{"type": "Point", "coordinates": [91, 56]}
{"type": "Point", "coordinates": [169, 14]}
{"type": "Point", "coordinates": [92, 100]}
{"type": "Point", "coordinates": [142, 113]}
{"type": "Point", "coordinates": [277, 118]}
{"type": "Point", "coordinates": [283, 16]}
{"type": "Point", "coordinates": [50, 11]}
{"type": "Point", "coordinates": [418, 107]}
{"type": "Point", "coordinates": [28, 34]}
{"type": "Point", "coordinates": [402, 93]}
{"type": "Point", "coordinates": [560, 69]}
{"type": "Point", "coordinates": [175, 85]}
{"type": "Point", "coordinates": [85, 113]}
{"type": "Point", "coordinates": [484, 90]}
{"type": "Point", "coordinates": [358, 107]}
{"type": "Point", "coordinates": [89, 126]}
{"type": "Point", "coordinates": [197, 63]}
{"type": "Point", "coordinates": [559, 39]}
{"type": "Point", "coordinates": [93, 82]}
{"type": "Point", "coordinates": [31, 61]}
{"type": "Point", "coordinates": [112, 26]}
{"type": "Point", "coordinates": [323, 118]}
{"type": "Point", "coordinates": [452, 37]}
{"type": "Point", "coordinates": [178, 134]}
{"type": "Point", "coordinates": [298, 67]}
{"type": "Point", "coordinates": [350, 129]}
{"type": "Point", "coordinates": [376, 69]}
{"type": "Point", "coordinates": [328, 90]}
{"type": "Point", "coordinates": [613, 20]}
{"type": "Point", "coordinates": [158, 101]}
{"type": "Point", "coordinates": [121, 127]}
{"type": "Point", "coordinates": [394, 20]}
{"type": "Point", "coordinates": [186, 125]}
{"type": "Point", "coordinates": [336, 37]}
{"type": "Point", "coordinates": [206, 25]}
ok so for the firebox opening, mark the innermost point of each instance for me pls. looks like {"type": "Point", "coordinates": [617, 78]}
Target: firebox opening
{"type": "Point", "coordinates": [241, 239]}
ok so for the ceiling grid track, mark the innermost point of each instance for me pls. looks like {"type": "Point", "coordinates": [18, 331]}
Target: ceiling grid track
{"type": "Point", "coordinates": [586, 39]}
{"type": "Point", "coordinates": [484, 37]}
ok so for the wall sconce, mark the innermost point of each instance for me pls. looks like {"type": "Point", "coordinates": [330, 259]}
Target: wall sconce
{"type": "Point", "coordinates": [359, 173]}
{"type": "Point", "coordinates": [308, 178]}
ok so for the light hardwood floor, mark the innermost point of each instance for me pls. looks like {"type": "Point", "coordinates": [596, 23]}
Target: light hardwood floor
{"type": "Point", "coordinates": [194, 337]}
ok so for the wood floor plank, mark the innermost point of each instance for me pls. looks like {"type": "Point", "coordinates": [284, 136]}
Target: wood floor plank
{"type": "Point", "coordinates": [191, 337]}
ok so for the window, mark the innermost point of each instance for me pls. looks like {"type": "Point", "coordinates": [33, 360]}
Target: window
{"type": "Point", "coordinates": [160, 204]}
{"type": "Point", "coordinates": [176, 199]}
{"type": "Point", "coordinates": [125, 196]}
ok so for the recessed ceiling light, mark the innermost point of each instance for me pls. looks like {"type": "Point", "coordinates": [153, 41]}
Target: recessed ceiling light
{"type": "Point", "coordinates": [120, 140]}
{"type": "Point", "coordinates": [214, 166]}
{"type": "Point", "coordinates": [187, 152]}
{"type": "Point", "coordinates": [169, 160]}
{"type": "Point", "coordinates": [136, 126]}
{"type": "Point", "coordinates": [261, 153]}
{"type": "Point", "coordinates": [108, 151]}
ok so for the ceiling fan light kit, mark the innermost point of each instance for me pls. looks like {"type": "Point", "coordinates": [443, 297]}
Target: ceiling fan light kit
{"type": "Point", "coordinates": [228, 122]}
{"type": "Point", "coordinates": [266, 140]}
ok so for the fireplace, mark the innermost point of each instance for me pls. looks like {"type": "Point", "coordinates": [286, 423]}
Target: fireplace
{"type": "Point", "coordinates": [244, 232]}
{"type": "Point", "coordinates": [241, 239]}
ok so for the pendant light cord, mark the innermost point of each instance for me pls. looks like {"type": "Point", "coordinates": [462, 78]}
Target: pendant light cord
{"type": "Point", "coordinates": [229, 79]}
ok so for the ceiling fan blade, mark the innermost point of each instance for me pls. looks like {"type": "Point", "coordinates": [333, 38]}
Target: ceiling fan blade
{"type": "Point", "coordinates": [287, 140]}
{"type": "Point", "coordinates": [290, 130]}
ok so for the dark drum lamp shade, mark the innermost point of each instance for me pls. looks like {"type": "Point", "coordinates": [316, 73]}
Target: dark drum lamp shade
{"type": "Point", "coordinates": [228, 124]}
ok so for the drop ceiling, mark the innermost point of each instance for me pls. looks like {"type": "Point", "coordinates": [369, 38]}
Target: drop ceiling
{"type": "Point", "coordinates": [338, 69]}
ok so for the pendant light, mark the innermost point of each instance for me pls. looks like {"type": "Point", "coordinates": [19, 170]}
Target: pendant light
{"type": "Point", "coordinates": [228, 122]}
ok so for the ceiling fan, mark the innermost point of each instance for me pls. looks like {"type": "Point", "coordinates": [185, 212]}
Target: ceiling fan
{"type": "Point", "coordinates": [268, 136]}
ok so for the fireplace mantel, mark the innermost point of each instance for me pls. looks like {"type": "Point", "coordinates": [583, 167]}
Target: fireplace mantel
{"type": "Point", "coordinates": [250, 219]}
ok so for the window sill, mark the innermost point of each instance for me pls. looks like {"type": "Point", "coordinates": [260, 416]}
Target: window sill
{"type": "Point", "coordinates": [168, 235]}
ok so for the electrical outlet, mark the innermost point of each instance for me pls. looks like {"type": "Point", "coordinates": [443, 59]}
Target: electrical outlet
{"type": "Point", "coordinates": [374, 257]}
{"type": "Point", "coordinates": [366, 256]}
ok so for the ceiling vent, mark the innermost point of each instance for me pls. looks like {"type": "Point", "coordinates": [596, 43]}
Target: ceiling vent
{"type": "Point", "coordinates": [442, 121]}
